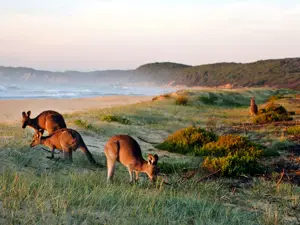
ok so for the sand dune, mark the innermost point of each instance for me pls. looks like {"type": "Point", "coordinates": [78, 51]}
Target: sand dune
{"type": "Point", "coordinates": [11, 109]}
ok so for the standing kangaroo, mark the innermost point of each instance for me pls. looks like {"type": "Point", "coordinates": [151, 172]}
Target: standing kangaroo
{"type": "Point", "coordinates": [66, 140]}
{"type": "Point", "coordinates": [48, 120]}
{"type": "Point", "coordinates": [127, 151]}
{"type": "Point", "coordinates": [253, 107]}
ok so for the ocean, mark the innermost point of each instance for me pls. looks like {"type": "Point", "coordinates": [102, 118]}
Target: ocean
{"type": "Point", "coordinates": [12, 91]}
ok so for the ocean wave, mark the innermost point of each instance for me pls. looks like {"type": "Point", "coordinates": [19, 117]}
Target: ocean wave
{"type": "Point", "coordinates": [68, 91]}
{"type": "Point", "coordinates": [13, 87]}
{"type": "Point", "coordinates": [9, 87]}
{"type": "Point", "coordinates": [60, 91]}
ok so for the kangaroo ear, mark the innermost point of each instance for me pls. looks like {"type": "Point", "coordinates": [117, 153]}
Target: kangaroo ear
{"type": "Point", "coordinates": [28, 113]}
{"type": "Point", "coordinates": [38, 134]}
{"type": "Point", "coordinates": [150, 159]}
{"type": "Point", "coordinates": [156, 158]}
{"type": "Point", "coordinates": [23, 114]}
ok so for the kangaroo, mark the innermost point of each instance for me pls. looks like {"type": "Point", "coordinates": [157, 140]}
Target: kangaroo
{"type": "Point", "coordinates": [253, 107]}
{"type": "Point", "coordinates": [66, 140]}
{"type": "Point", "coordinates": [48, 120]}
{"type": "Point", "coordinates": [127, 151]}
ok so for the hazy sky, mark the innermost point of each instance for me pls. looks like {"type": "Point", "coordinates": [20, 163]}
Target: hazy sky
{"type": "Point", "coordinates": [123, 34]}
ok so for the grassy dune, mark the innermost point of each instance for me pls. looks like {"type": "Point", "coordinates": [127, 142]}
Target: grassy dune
{"type": "Point", "coordinates": [36, 190]}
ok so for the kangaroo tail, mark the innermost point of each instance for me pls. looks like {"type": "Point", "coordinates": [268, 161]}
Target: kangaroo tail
{"type": "Point", "coordinates": [88, 154]}
{"type": "Point", "coordinates": [118, 146]}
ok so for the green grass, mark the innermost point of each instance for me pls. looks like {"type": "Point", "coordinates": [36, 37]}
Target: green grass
{"type": "Point", "coordinates": [36, 190]}
{"type": "Point", "coordinates": [112, 118]}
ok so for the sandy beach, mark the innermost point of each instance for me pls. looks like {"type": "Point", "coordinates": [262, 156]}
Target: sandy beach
{"type": "Point", "coordinates": [11, 109]}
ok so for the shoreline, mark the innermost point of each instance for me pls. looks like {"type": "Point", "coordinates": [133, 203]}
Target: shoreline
{"type": "Point", "coordinates": [11, 109]}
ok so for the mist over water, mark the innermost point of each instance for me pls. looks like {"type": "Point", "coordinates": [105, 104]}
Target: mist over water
{"type": "Point", "coordinates": [12, 91]}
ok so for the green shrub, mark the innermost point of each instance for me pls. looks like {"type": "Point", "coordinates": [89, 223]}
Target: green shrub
{"type": "Point", "coordinates": [84, 124]}
{"type": "Point", "coordinates": [187, 140]}
{"type": "Point", "coordinates": [232, 165]}
{"type": "Point", "coordinates": [181, 100]}
{"type": "Point", "coordinates": [271, 113]}
{"type": "Point", "coordinates": [294, 130]}
{"type": "Point", "coordinates": [112, 118]}
{"type": "Point", "coordinates": [232, 155]}
{"type": "Point", "coordinates": [230, 145]}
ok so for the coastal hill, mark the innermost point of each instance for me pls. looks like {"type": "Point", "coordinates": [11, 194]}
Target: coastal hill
{"type": "Point", "coordinates": [284, 73]}
{"type": "Point", "coordinates": [280, 73]}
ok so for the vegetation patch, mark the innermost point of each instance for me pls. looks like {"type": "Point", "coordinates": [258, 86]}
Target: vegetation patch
{"type": "Point", "coordinates": [187, 140]}
{"type": "Point", "coordinates": [84, 124]}
{"type": "Point", "coordinates": [229, 145]}
{"type": "Point", "coordinates": [231, 155]}
{"type": "Point", "coordinates": [112, 118]}
{"type": "Point", "coordinates": [275, 97]}
{"type": "Point", "coordinates": [271, 113]}
{"type": "Point", "coordinates": [181, 100]}
{"type": "Point", "coordinates": [294, 130]}
{"type": "Point", "coordinates": [161, 97]}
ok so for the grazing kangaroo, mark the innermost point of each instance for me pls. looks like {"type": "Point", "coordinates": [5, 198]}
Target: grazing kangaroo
{"type": "Point", "coordinates": [66, 140]}
{"type": "Point", "coordinates": [127, 151]}
{"type": "Point", "coordinates": [48, 120]}
{"type": "Point", "coordinates": [253, 107]}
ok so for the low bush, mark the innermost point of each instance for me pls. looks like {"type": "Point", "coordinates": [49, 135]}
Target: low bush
{"type": "Point", "coordinates": [187, 140]}
{"type": "Point", "coordinates": [161, 97]}
{"type": "Point", "coordinates": [232, 165]}
{"type": "Point", "coordinates": [275, 97]}
{"type": "Point", "coordinates": [113, 118]}
{"type": "Point", "coordinates": [229, 145]}
{"type": "Point", "coordinates": [181, 100]}
{"type": "Point", "coordinates": [232, 155]}
{"type": "Point", "coordinates": [271, 113]}
{"type": "Point", "coordinates": [84, 124]}
{"type": "Point", "coordinates": [294, 130]}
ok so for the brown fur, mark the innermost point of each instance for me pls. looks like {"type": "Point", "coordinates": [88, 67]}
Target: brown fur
{"type": "Point", "coordinates": [66, 140]}
{"type": "Point", "coordinates": [48, 120]}
{"type": "Point", "coordinates": [127, 151]}
{"type": "Point", "coordinates": [253, 107]}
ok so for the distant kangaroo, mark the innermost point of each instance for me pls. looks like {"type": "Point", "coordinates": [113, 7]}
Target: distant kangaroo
{"type": "Point", "coordinates": [127, 151]}
{"type": "Point", "coordinates": [66, 140]}
{"type": "Point", "coordinates": [253, 107]}
{"type": "Point", "coordinates": [48, 120]}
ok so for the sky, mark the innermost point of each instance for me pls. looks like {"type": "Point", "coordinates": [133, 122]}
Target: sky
{"type": "Point", "coordinates": [124, 34]}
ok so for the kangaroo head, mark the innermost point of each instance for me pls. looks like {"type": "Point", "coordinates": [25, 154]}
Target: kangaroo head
{"type": "Point", "coordinates": [153, 170]}
{"type": "Point", "coordinates": [36, 139]}
{"type": "Point", "coordinates": [26, 119]}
